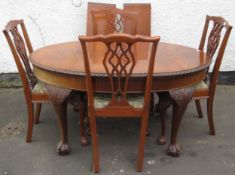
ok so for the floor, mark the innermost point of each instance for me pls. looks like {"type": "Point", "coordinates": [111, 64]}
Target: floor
{"type": "Point", "coordinates": [201, 153]}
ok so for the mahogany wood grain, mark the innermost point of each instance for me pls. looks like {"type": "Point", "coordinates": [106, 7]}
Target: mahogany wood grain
{"type": "Point", "coordinates": [144, 15]}
{"type": "Point", "coordinates": [95, 6]}
{"type": "Point", "coordinates": [177, 66]}
{"type": "Point", "coordinates": [135, 18]}
{"type": "Point", "coordinates": [114, 21]}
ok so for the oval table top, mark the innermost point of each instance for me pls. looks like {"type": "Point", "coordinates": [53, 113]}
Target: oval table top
{"type": "Point", "coordinates": [173, 61]}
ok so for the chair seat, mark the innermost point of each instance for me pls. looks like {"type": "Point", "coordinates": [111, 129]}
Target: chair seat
{"type": "Point", "coordinates": [101, 100]}
{"type": "Point", "coordinates": [39, 88]}
{"type": "Point", "coordinates": [202, 85]}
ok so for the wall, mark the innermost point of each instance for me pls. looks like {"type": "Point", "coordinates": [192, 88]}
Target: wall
{"type": "Point", "coordinates": [54, 21]}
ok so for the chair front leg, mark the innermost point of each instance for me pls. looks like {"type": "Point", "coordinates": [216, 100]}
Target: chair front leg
{"type": "Point", "coordinates": [83, 138]}
{"type": "Point", "coordinates": [199, 109]}
{"type": "Point", "coordinates": [143, 130]}
{"type": "Point", "coordinates": [95, 145]}
{"type": "Point", "coordinates": [30, 122]}
{"type": "Point", "coordinates": [210, 115]}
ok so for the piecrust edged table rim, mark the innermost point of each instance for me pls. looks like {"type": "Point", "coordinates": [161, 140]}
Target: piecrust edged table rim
{"type": "Point", "coordinates": [176, 66]}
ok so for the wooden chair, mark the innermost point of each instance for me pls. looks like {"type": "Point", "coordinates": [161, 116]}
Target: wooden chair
{"type": "Point", "coordinates": [34, 90]}
{"type": "Point", "coordinates": [118, 63]}
{"type": "Point", "coordinates": [206, 88]}
{"type": "Point", "coordinates": [134, 19]}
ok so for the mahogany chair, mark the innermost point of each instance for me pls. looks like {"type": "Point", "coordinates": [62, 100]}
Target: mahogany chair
{"type": "Point", "coordinates": [216, 42]}
{"type": "Point", "coordinates": [118, 64]}
{"type": "Point", "coordinates": [34, 90]}
{"type": "Point", "coordinates": [135, 18]}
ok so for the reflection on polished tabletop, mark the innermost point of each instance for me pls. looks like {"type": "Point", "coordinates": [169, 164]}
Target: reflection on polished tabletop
{"type": "Point", "coordinates": [170, 59]}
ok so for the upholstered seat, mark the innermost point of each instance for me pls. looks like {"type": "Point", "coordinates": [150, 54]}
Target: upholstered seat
{"type": "Point", "coordinates": [101, 100]}
{"type": "Point", "coordinates": [39, 88]}
{"type": "Point", "coordinates": [202, 85]}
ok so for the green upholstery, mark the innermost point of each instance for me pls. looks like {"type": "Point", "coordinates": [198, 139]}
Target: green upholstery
{"type": "Point", "coordinates": [202, 85]}
{"type": "Point", "coordinates": [39, 88]}
{"type": "Point", "coordinates": [102, 100]}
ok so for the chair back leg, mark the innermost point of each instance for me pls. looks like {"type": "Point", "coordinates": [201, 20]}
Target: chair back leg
{"type": "Point", "coordinates": [95, 145]}
{"type": "Point", "coordinates": [143, 130]}
{"type": "Point", "coordinates": [210, 115]}
{"type": "Point", "coordinates": [38, 112]}
{"type": "Point", "coordinates": [30, 122]}
{"type": "Point", "coordinates": [199, 109]}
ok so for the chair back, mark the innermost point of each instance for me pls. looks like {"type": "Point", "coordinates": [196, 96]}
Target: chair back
{"type": "Point", "coordinates": [143, 11]}
{"type": "Point", "coordinates": [114, 21]}
{"type": "Point", "coordinates": [95, 6]}
{"type": "Point", "coordinates": [104, 18]}
{"type": "Point", "coordinates": [118, 63]}
{"type": "Point", "coordinates": [216, 43]}
{"type": "Point", "coordinates": [20, 46]}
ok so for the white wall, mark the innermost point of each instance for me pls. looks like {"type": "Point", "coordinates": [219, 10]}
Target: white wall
{"type": "Point", "coordinates": [54, 21]}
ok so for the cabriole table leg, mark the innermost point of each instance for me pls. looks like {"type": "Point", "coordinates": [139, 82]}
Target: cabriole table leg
{"type": "Point", "coordinates": [180, 98]}
{"type": "Point", "coordinates": [58, 97]}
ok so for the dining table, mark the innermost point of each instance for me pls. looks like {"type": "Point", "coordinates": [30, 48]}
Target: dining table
{"type": "Point", "coordinates": [177, 70]}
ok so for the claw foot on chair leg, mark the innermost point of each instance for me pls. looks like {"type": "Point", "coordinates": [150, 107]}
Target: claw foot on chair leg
{"type": "Point", "coordinates": [173, 150]}
{"type": "Point", "coordinates": [63, 148]}
{"type": "Point", "coordinates": [84, 141]}
{"type": "Point", "coordinates": [161, 140]}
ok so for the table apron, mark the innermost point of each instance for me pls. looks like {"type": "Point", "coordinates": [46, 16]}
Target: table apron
{"type": "Point", "coordinates": [101, 84]}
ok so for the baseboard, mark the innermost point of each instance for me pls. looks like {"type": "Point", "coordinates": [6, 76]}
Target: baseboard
{"type": "Point", "coordinates": [227, 78]}
{"type": "Point", "coordinates": [13, 79]}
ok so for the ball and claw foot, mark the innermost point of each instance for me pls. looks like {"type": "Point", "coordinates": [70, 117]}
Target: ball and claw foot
{"type": "Point", "coordinates": [84, 141]}
{"type": "Point", "coordinates": [173, 150]}
{"type": "Point", "coordinates": [161, 140]}
{"type": "Point", "coordinates": [63, 148]}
